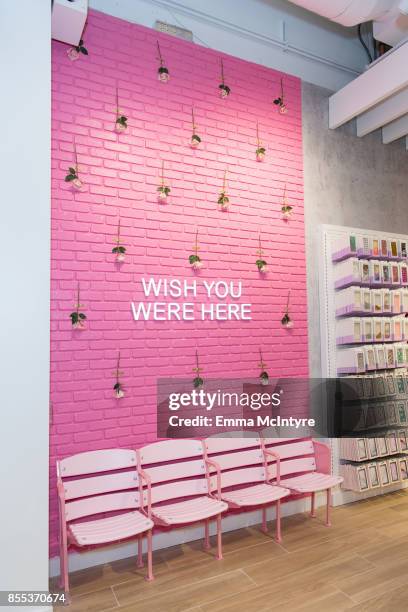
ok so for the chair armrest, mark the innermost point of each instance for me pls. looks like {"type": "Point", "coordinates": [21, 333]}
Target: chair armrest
{"type": "Point", "coordinates": [144, 477]}
{"type": "Point", "coordinates": [322, 457]}
{"type": "Point", "coordinates": [61, 490]}
{"type": "Point", "coordinates": [215, 465]}
{"type": "Point", "coordinates": [277, 458]}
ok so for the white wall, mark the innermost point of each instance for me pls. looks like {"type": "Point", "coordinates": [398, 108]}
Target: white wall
{"type": "Point", "coordinates": [274, 33]}
{"type": "Point", "coordinates": [24, 303]}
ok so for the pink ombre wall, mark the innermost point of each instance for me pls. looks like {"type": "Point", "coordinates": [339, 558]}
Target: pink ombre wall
{"type": "Point", "coordinates": [121, 174]}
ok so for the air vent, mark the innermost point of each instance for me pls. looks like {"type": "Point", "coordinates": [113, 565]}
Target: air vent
{"type": "Point", "coordinates": [173, 30]}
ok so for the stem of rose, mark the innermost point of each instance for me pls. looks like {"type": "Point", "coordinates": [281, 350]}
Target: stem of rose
{"type": "Point", "coordinates": [160, 55]}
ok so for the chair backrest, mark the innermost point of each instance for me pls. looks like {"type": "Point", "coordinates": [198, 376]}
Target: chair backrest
{"type": "Point", "coordinates": [297, 456]}
{"type": "Point", "coordinates": [99, 481]}
{"type": "Point", "coordinates": [176, 469]}
{"type": "Point", "coordinates": [241, 460]}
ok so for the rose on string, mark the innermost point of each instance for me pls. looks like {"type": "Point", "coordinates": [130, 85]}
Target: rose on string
{"type": "Point", "coordinates": [75, 52]}
{"type": "Point", "coordinates": [162, 73]}
{"type": "Point", "coordinates": [77, 317]}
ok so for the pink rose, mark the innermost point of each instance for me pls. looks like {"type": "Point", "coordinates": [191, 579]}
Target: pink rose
{"type": "Point", "coordinates": [73, 54]}
{"type": "Point", "coordinates": [77, 183]}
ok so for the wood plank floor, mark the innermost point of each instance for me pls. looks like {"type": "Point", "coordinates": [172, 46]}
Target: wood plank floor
{"type": "Point", "coordinates": [359, 564]}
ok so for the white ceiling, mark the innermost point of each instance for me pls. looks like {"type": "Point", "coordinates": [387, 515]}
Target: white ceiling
{"type": "Point", "coordinates": [377, 99]}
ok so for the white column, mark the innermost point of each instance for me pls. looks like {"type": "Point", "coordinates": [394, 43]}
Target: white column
{"type": "Point", "coordinates": [24, 294]}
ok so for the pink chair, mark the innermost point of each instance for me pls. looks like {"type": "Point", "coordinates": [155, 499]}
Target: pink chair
{"type": "Point", "coordinates": [107, 483]}
{"type": "Point", "coordinates": [173, 474]}
{"type": "Point", "coordinates": [305, 468]}
{"type": "Point", "coordinates": [243, 461]}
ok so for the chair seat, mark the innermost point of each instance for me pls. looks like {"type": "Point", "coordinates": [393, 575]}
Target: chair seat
{"type": "Point", "coordinates": [109, 529]}
{"type": "Point", "coordinates": [189, 511]}
{"type": "Point", "coordinates": [311, 482]}
{"type": "Point", "coordinates": [254, 496]}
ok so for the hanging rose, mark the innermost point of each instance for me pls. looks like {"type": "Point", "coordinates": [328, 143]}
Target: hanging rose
{"type": "Point", "coordinates": [121, 123]}
{"type": "Point", "coordinates": [77, 317]}
{"type": "Point", "coordinates": [121, 120]}
{"type": "Point", "coordinates": [280, 101]}
{"type": "Point", "coordinates": [286, 208]}
{"type": "Point", "coordinates": [195, 262]}
{"type": "Point", "coordinates": [119, 392]}
{"type": "Point", "coordinates": [195, 141]}
{"type": "Point", "coordinates": [78, 320]}
{"type": "Point", "coordinates": [118, 387]}
{"type": "Point", "coordinates": [194, 259]}
{"type": "Point", "coordinates": [260, 154]}
{"type": "Point", "coordinates": [287, 211]}
{"type": "Point", "coordinates": [163, 190]}
{"type": "Point", "coordinates": [197, 381]}
{"type": "Point", "coordinates": [75, 52]}
{"type": "Point", "coordinates": [73, 178]}
{"type": "Point", "coordinates": [286, 321]}
{"type": "Point", "coordinates": [162, 73]}
{"type": "Point", "coordinates": [120, 252]}
{"type": "Point", "coordinates": [223, 199]}
{"type": "Point", "coordinates": [73, 174]}
{"type": "Point", "coordinates": [260, 149]}
{"type": "Point", "coordinates": [260, 262]}
{"type": "Point", "coordinates": [224, 89]}
{"type": "Point", "coordinates": [263, 376]}
{"type": "Point", "coordinates": [262, 265]}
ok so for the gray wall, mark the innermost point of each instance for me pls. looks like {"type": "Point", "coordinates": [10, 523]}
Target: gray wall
{"type": "Point", "coordinates": [350, 181]}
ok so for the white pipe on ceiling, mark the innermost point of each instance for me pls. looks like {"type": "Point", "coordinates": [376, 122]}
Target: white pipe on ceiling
{"type": "Point", "coordinates": [389, 17]}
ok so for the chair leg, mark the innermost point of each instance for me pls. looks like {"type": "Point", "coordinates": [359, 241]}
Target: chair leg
{"type": "Point", "coordinates": [328, 504]}
{"type": "Point", "coordinates": [219, 537]}
{"type": "Point", "coordinates": [64, 577]}
{"type": "Point", "coordinates": [278, 535]}
{"type": "Point", "coordinates": [312, 509]}
{"type": "Point", "coordinates": [207, 535]}
{"type": "Point", "coordinates": [140, 551]}
{"type": "Point", "coordinates": [264, 524]}
{"type": "Point", "coordinates": [149, 576]}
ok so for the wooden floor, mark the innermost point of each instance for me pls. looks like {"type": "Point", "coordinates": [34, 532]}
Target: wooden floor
{"type": "Point", "coordinates": [360, 563]}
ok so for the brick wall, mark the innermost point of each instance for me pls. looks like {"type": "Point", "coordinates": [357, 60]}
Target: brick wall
{"type": "Point", "coordinates": [121, 175]}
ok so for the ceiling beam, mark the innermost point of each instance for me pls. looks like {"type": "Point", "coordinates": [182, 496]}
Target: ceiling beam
{"type": "Point", "coordinates": [395, 130]}
{"type": "Point", "coordinates": [383, 79]}
{"type": "Point", "coordinates": [385, 112]}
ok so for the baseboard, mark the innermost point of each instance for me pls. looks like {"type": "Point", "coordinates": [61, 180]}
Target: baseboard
{"type": "Point", "coordinates": [78, 561]}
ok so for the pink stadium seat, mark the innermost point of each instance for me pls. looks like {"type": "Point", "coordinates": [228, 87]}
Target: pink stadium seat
{"type": "Point", "coordinates": [174, 477]}
{"type": "Point", "coordinates": [305, 468]}
{"type": "Point", "coordinates": [107, 483]}
{"type": "Point", "coordinates": [243, 461]}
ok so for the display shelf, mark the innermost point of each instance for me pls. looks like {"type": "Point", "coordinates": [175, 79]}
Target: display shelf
{"type": "Point", "coordinates": [375, 474]}
{"type": "Point", "coordinates": [369, 247]}
{"type": "Point", "coordinates": [364, 334]}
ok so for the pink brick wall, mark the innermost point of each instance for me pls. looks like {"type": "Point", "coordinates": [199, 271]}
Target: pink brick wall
{"type": "Point", "coordinates": [121, 175]}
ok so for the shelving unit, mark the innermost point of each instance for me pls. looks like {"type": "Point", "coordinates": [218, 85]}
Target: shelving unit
{"type": "Point", "coordinates": [364, 337]}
